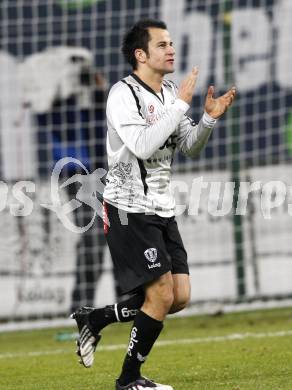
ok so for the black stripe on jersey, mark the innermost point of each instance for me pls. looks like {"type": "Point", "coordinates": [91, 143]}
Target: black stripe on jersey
{"type": "Point", "coordinates": [192, 122]}
{"type": "Point", "coordinates": [135, 97]}
{"type": "Point", "coordinates": [143, 175]}
{"type": "Point", "coordinates": [144, 85]}
{"type": "Point", "coordinates": [162, 94]}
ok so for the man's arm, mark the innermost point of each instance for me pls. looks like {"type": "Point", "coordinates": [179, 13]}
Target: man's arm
{"type": "Point", "coordinates": [141, 138]}
{"type": "Point", "coordinates": [192, 138]}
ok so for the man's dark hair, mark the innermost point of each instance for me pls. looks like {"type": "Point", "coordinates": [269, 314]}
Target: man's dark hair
{"type": "Point", "coordinates": [138, 37]}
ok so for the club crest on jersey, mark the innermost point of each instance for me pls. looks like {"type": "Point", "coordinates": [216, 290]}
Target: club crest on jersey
{"type": "Point", "coordinates": [151, 108]}
{"type": "Point", "coordinates": [151, 254]}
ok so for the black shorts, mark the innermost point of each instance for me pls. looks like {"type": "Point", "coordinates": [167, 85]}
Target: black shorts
{"type": "Point", "coordinates": [143, 247]}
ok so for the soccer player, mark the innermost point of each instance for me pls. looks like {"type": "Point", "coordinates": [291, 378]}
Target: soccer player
{"type": "Point", "coordinates": [147, 121]}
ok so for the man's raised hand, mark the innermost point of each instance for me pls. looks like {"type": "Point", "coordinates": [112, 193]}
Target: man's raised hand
{"type": "Point", "coordinates": [216, 107]}
{"type": "Point", "coordinates": [187, 86]}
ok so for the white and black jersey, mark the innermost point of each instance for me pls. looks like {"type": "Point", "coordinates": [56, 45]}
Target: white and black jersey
{"type": "Point", "coordinates": [144, 129]}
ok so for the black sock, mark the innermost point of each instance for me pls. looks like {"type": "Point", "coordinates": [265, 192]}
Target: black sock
{"type": "Point", "coordinates": [144, 333]}
{"type": "Point", "coordinates": [120, 312]}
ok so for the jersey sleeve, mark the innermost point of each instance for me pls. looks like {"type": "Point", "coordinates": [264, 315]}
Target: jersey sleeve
{"type": "Point", "coordinates": [192, 137]}
{"type": "Point", "coordinates": [124, 115]}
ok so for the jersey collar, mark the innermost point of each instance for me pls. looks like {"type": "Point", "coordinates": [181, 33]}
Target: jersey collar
{"type": "Point", "coordinates": [144, 85]}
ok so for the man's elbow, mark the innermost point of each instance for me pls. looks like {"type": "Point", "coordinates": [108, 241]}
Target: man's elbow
{"type": "Point", "coordinates": [141, 152]}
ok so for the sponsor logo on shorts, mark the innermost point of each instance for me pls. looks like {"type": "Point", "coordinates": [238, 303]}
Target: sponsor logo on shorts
{"type": "Point", "coordinates": [154, 265]}
{"type": "Point", "coordinates": [151, 256]}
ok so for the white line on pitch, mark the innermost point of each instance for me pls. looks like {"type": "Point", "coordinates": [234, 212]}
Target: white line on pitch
{"type": "Point", "coordinates": [163, 343]}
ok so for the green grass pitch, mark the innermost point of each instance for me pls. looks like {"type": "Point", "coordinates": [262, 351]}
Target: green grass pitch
{"type": "Point", "coordinates": [241, 351]}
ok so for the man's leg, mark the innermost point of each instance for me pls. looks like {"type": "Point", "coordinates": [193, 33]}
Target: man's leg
{"type": "Point", "coordinates": [147, 326]}
{"type": "Point", "coordinates": [91, 321]}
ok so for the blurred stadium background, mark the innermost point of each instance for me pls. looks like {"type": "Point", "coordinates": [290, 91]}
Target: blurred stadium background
{"type": "Point", "coordinates": [51, 53]}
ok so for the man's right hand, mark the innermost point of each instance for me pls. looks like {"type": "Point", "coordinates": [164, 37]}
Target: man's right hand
{"type": "Point", "coordinates": [187, 86]}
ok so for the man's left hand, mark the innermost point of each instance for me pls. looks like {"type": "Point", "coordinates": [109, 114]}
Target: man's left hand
{"type": "Point", "coordinates": [216, 107]}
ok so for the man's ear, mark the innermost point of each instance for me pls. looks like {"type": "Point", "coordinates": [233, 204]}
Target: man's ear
{"type": "Point", "coordinates": [140, 56]}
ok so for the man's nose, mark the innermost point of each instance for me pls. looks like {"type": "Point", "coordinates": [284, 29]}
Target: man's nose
{"type": "Point", "coordinates": [171, 50]}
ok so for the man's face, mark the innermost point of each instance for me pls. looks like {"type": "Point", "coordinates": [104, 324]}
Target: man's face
{"type": "Point", "coordinates": [160, 51]}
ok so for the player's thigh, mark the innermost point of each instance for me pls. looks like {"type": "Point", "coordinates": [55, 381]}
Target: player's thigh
{"type": "Point", "coordinates": [137, 248]}
{"type": "Point", "coordinates": [160, 289]}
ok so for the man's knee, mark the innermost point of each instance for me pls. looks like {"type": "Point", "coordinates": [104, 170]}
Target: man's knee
{"type": "Point", "coordinates": [180, 302]}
